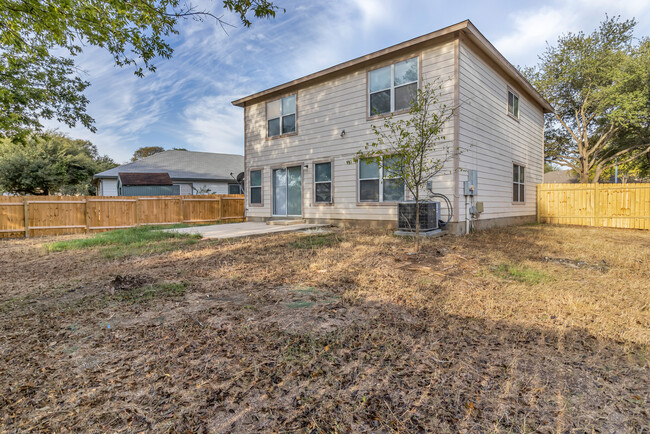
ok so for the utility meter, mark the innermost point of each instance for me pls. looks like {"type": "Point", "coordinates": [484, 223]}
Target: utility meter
{"type": "Point", "coordinates": [471, 185]}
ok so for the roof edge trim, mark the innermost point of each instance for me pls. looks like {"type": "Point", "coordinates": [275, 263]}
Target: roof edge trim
{"type": "Point", "coordinates": [466, 27]}
{"type": "Point", "coordinates": [355, 62]}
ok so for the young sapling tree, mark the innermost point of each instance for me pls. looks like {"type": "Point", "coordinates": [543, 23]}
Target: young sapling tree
{"type": "Point", "coordinates": [411, 149]}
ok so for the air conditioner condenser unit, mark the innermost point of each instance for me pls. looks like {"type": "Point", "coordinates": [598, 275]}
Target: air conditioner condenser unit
{"type": "Point", "coordinates": [429, 215]}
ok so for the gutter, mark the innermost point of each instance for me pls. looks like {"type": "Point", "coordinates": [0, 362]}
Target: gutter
{"type": "Point", "coordinates": [97, 178]}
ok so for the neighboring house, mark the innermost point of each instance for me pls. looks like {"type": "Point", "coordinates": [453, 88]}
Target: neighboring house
{"type": "Point", "coordinates": [300, 137]}
{"type": "Point", "coordinates": [189, 173]}
{"type": "Point", "coordinates": [560, 177]}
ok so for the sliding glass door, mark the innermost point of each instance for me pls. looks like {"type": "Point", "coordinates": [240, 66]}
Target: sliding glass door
{"type": "Point", "coordinates": [287, 191]}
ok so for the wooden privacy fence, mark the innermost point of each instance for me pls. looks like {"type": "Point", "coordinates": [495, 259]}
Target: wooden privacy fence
{"type": "Point", "coordinates": [56, 215]}
{"type": "Point", "coordinates": [604, 205]}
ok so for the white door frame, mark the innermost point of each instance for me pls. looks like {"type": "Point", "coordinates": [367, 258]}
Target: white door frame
{"type": "Point", "coordinates": [302, 190]}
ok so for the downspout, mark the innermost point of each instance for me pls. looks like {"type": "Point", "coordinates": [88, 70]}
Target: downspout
{"type": "Point", "coordinates": [456, 139]}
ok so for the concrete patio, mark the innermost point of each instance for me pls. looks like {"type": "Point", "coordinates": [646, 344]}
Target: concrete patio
{"type": "Point", "coordinates": [236, 230]}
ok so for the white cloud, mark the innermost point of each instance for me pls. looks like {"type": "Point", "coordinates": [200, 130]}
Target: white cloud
{"type": "Point", "coordinates": [373, 13]}
{"type": "Point", "coordinates": [531, 29]}
{"type": "Point", "coordinates": [214, 125]}
{"type": "Point", "coordinates": [535, 26]}
{"type": "Point", "coordinates": [187, 101]}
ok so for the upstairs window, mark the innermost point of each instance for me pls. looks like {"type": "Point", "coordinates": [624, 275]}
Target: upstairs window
{"type": "Point", "coordinates": [255, 187]}
{"type": "Point", "coordinates": [323, 183]}
{"type": "Point", "coordinates": [379, 184]}
{"type": "Point", "coordinates": [518, 187]}
{"type": "Point", "coordinates": [513, 105]}
{"type": "Point", "coordinates": [393, 87]}
{"type": "Point", "coordinates": [281, 116]}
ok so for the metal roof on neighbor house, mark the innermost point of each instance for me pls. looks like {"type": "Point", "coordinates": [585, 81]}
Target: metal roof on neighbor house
{"type": "Point", "coordinates": [466, 28]}
{"type": "Point", "coordinates": [145, 179]}
{"type": "Point", "coordinates": [184, 165]}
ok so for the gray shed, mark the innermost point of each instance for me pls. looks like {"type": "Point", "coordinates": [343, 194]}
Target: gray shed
{"type": "Point", "coordinates": [146, 184]}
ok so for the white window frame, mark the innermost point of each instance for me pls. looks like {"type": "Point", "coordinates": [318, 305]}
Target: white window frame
{"type": "Point", "coordinates": [282, 116]}
{"type": "Point", "coordinates": [519, 183]}
{"type": "Point", "coordinates": [251, 187]}
{"type": "Point", "coordinates": [180, 188]}
{"type": "Point", "coordinates": [514, 96]}
{"type": "Point", "coordinates": [331, 182]}
{"type": "Point", "coordinates": [381, 186]}
{"type": "Point", "coordinates": [392, 86]}
{"type": "Point", "coordinates": [237, 184]}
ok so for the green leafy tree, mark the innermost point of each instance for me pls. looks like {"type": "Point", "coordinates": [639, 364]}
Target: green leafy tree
{"type": "Point", "coordinates": [50, 164]}
{"type": "Point", "coordinates": [35, 86]}
{"type": "Point", "coordinates": [409, 147]}
{"type": "Point", "coordinates": [146, 151]}
{"type": "Point", "coordinates": [637, 170]}
{"type": "Point", "coordinates": [40, 38]}
{"type": "Point", "coordinates": [599, 86]}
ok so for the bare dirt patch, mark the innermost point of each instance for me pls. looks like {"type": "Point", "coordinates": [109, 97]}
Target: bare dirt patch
{"type": "Point", "coordinates": [336, 332]}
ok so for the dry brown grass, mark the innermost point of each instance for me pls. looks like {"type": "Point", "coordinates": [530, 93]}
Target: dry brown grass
{"type": "Point", "coordinates": [534, 328]}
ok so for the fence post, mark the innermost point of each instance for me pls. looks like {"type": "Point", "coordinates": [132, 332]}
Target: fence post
{"type": "Point", "coordinates": [182, 205]}
{"type": "Point", "coordinates": [220, 208]}
{"type": "Point", "coordinates": [539, 203]}
{"type": "Point", "coordinates": [137, 211]}
{"type": "Point", "coordinates": [87, 215]}
{"type": "Point", "coordinates": [26, 217]}
{"type": "Point", "coordinates": [596, 205]}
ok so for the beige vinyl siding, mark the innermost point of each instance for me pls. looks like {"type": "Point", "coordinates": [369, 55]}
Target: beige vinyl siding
{"type": "Point", "coordinates": [491, 141]}
{"type": "Point", "coordinates": [323, 112]}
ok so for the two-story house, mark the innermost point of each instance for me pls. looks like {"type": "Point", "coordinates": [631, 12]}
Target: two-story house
{"type": "Point", "coordinates": [301, 136]}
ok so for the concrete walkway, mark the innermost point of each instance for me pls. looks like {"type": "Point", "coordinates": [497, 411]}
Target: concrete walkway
{"type": "Point", "coordinates": [236, 230]}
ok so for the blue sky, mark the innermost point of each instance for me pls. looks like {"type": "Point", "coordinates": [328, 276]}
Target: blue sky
{"type": "Point", "coordinates": [186, 102]}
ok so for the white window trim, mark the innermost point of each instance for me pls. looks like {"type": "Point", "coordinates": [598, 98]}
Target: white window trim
{"type": "Point", "coordinates": [392, 86]}
{"type": "Point", "coordinates": [381, 186]}
{"type": "Point", "coordinates": [331, 182]}
{"type": "Point", "coordinates": [251, 186]}
{"type": "Point", "coordinates": [519, 183]}
{"type": "Point", "coordinates": [234, 183]}
{"type": "Point", "coordinates": [515, 95]}
{"type": "Point", "coordinates": [282, 116]}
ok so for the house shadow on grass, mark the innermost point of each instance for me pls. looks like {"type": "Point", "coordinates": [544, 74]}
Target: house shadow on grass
{"type": "Point", "coordinates": [330, 338]}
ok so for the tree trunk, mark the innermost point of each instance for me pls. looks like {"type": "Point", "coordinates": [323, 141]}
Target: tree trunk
{"type": "Point", "coordinates": [417, 221]}
{"type": "Point", "coordinates": [584, 171]}
{"type": "Point", "coordinates": [598, 174]}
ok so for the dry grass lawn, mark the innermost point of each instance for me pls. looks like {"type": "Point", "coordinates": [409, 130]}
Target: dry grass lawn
{"type": "Point", "coordinates": [533, 328]}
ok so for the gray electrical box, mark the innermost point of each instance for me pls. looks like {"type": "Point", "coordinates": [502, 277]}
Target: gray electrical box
{"type": "Point", "coordinates": [471, 185]}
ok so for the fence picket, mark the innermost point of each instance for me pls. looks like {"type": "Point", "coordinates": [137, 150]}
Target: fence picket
{"type": "Point", "coordinates": [57, 215]}
{"type": "Point", "coordinates": [600, 205]}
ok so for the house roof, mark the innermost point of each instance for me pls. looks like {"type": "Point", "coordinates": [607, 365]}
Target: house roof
{"type": "Point", "coordinates": [184, 165]}
{"type": "Point", "coordinates": [145, 179]}
{"type": "Point", "coordinates": [560, 177]}
{"type": "Point", "coordinates": [465, 27]}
